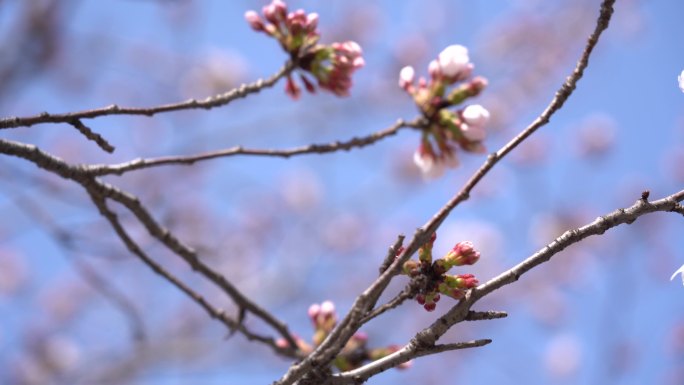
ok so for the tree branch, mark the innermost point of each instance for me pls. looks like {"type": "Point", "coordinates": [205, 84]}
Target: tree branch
{"type": "Point", "coordinates": [460, 311]}
{"type": "Point", "coordinates": [407, 353]}
{"type": "Point", "coordinates": [103, 190]}
{"type": "Point", "coordinates": [119, 169]}
{"type": "Point", "coordinates": [208, 103]}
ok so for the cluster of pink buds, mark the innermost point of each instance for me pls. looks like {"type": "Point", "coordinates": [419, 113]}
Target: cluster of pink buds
{"type": "Point", "coordinates": [354, 354]}
{"type": "Point", "coordinates": [430, 278]}
{"type": "Point", "coordinates": [446, 128]}
{"type": "Point", "coordinates": [331, 65]}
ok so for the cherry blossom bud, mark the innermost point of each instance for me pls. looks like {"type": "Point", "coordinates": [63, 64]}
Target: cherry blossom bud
{"type": "Point", "coordinates": [292, 89]}
{"type": "Point", "coordinates": [275, 12]}
{"type": "Point", "coordinates": [254, 20]}
{"type": "Point", "coordinates": [430, 306]}
{"type": "Point", "coordinates": [406, 77]}
{"type": "Point", "coordinates": [462, 254]}
{"type": "Point", "coordinates": [466, 281]}
{"type": "Point", "coordinates": [475, 115]}
{"type": "Point", "coordinates": [327, 309]}
{"type": "Point", "coordinates": [474, 119]}
{"type": "Point", "coordinates": [311, 22]}
{"type": "Point", "coordinates": [454, 61]}
{"type": "Point", "coordinates": [308, 84]}
{"type": "Point", "coordinates": [313, 312]}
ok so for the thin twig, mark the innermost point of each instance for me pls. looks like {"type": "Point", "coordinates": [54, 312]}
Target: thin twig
{"type": "Point", "coordinates": [331, 346]}
{"type": "Point", "coordinates": [215, 313]}
{"type": "Point", "coordinates": [100, 189]}
{"type": "Point", "coordinates": [391, 304]}
{"type": "Point", "coordinates": [407, 353]}
{"type": "Point", "coordinates": [102, 169]}
{"type": "Point", "coordinates": [485, 315]}
{"type": "Point", "coordinates": [460, 311]}
{"type": "Point", "coordinates": [91, 135]}
{"type": "Point", "coordinates": [208, 103]}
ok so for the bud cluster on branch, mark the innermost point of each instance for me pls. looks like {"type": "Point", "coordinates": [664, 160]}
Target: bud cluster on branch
{"type": "Point", "coordinates": [332, 66]}
{"type": "Point", "coordinates": [446, 128]}
{"type": "Point", "coordinates": [429, 278]}
{"type": "Point", "coordinates": [355, 352]}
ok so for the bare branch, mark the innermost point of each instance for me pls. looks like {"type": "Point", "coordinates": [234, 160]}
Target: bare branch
{"type": "Point", "coordinates": [100, 189]}
{"type": "Point", "coordinates": [90, 135]}
{"type": "Point", "coordinates": [215, 313]}
{"type": "Point", "coordinates": [460, 311]}
{"type": "Point", "coordinates": [391, 304]}
{"type": "Point", "coordinates": [485, 315]}
{"type": "Point", "coordinates": [407, 353]}
{"type": "Point", "coordinates": [208, 103]}
{"type": "Point", "coordinates": [98, 170]}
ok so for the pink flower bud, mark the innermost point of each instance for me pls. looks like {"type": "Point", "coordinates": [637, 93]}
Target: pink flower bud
{"type": "Point", "coordinates": [275, 12]}
{"type": "Point", "coordinates": [466, 281]}
{"type": "Point", "coordinates": [254, 20]}
{"type": "Point", "coordinates": [308, 84]}
{"type": "Point", "coordinates": [313, 312]}
{"type": "Point", "coordinates": [406, 77]}
{"type": "Point", "coordinates": [454, 62]}
{"type": "Point", "coordinates": [463, 253]}
{"type": "Point", "coordinates": [292, 89]}
{"type": "Point", "coordinates": [475, 115]}
{"type": "Point", "coordinates": [311, 22]}
{"type": "Point", "coordinates": [327, 309]}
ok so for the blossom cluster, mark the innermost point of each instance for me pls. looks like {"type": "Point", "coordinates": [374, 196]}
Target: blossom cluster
{"type": "Point", "coordinates": [447, 129]}
{"type": "Point", "coordinates": [332, 66]}
{"type": "Point", "coordinates": [354, 354]}
{"type": "Point", "coordinates": [430, 279]}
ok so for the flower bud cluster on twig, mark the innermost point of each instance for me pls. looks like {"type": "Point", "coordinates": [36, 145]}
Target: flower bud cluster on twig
{"type": "Point", "coordinates": [354, 354]}
{"type": "Point", "coordinates": [446, 128]}
{"type": "Point", "coordinates": [429, 278]}
{"type": "Point", "coordinates": [332, 66]}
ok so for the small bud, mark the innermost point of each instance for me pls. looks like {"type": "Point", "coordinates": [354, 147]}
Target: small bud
{"type": "Point", "coordinates": [254, 20]}
{"type": "Point", "coordinates": [292, 89]}
{"type": "Point", "coordinates": [475, 115]}
{"type": "Point", "coordinates": [430, 306]}
{"type": "Point", "coordinates": [463, 253]}
{"type": "Point", "coordinates": [406, 77]}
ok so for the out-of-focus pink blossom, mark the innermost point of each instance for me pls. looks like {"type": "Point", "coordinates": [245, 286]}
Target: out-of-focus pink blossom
{"type": "Point", "coordinates": [406, 77]}
{"type": "Point", "coordinates": [454, 62]}
{"type": "Point", "coordinates": [474, 119]}
{"type": "Point", "coordinates": [428, 164]}
{"type": "Point", "coordinates": [292, 89]}
{"type": "Point", "coordinates": [254, 20]}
